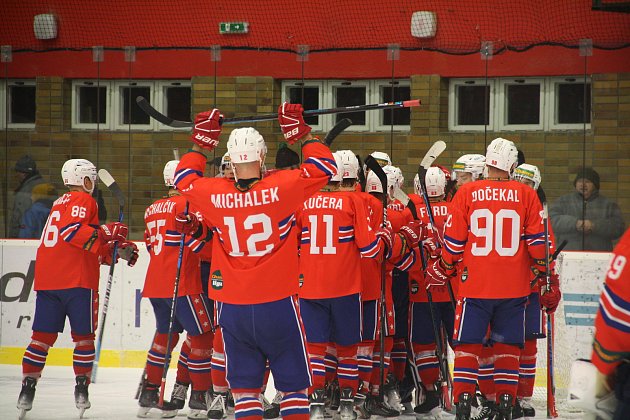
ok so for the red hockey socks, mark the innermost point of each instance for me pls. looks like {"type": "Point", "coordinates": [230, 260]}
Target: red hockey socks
{"type": "Point", "coordinates": [506, 369]}
{"type": "Point", "coordinates": [486, 373]}
{"type": "Point", "coordinates": [316, 354]}
{"type": "Point", "coordinates": [399, 358]}
{"type": "Point", "coordinates": [35, 354]}
{"type": "Point", "coordinates": [364, 362]}
{"type": "Point", "coordinates": [246, 406]}
{"type": "Point", "coordinates": [199, 361]}
{"type": "Point", "coordinates": [157, 357]}
{"type": "Point", "coordinates": [219, 382]}
{"type": "Point", "coordinates": [347, 370]}
{"type": "Point", "coordinates": [466, 369]}
{"type": "Point", "coordinates": [294, 406]}
{"type": "Point", "coordinates": [183, 377]}
{"type": "Point", "coordinates": [83, 355]}
{"type": "Point", "coordinates": [376, 363]}
{"type": "Point", "coordinates": [330, 361]}
{"type": "Point", "coordinates": [427, 363]}
{"type": "Point", "coordinates": [527, 370]}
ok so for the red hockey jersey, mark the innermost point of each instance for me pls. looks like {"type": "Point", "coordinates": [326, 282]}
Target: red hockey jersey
{"type": "Point", "coordinates": [254, 257]}
{"type": "Point", "coordinates": [611, 343]}
{"type": "Point", "coordinates": [494, 229]}
{"type": "Point", "coordinates": [67, 255]}
{"type": "Point", "coordinates": [371, 267]}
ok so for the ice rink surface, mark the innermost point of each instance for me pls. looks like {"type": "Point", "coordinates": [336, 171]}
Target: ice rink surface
{"type": "Point", "coordinates": [112, 396]}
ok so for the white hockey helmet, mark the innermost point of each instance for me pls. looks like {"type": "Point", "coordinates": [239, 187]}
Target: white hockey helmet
{"type": "Point", "coordinates": [246, 145]}
{"type": "Point", "coordinates": [502, 154]}
{"type": "Point", "coordinates": [528, 172]}
{"type": "Point", "coordinates": [394, 178]}
{"type": "Point", "coordinates": [372, 183]}
{"type": "Point", "coordinates": [349, 164]}
{"type": "Point", "coordinates": [74, 172]}
{"type": "Point", "coordinates": [472, 164]}
{"type": "Point", "coordinates": [435, 180]}
{"type": "Point", "coordinates": [169, 172]}
{"type": "Point", "coordinates": [337, 177]}
{"type": "Point", "coordinates": [382, 158]}
{"type": "Point", "coordinates": [226, 163]}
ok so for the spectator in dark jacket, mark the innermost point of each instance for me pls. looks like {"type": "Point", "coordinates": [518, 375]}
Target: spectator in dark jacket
{"type": "Point", "coordinates": [585, 218]}
{"type": "Point", "coordinates": [35, 217]}
{"type": "Point", "coordinates": [28, 177]}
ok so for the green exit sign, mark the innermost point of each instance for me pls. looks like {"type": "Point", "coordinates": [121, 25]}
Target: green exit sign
{"type": "Point", "coordinates": [233, 27]}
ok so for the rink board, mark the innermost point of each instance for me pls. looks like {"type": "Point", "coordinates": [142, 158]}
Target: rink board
{"type": "Point", "coordinates": [131, 324]}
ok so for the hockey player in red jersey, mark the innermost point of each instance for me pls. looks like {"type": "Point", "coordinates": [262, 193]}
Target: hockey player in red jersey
{"type": "Point", "coordinates": [67, 277]}
{"type": "Point", "coordinates": [494, 230]}
{"type": "Point", "coordinates": [468, 168]}
{"type": "Point", "coordinates": [611, 343]}
{"type": "Point", "coordinates": [193, 311]}
{"type": "Point", "coordinates": [254, 275]}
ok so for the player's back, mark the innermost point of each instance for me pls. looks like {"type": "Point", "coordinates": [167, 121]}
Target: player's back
{"type": "Point", "coordinates": [163, 242]}
{"type": "Point", "coordinates": [60, 264]}
{"type": "Point", "coordinates": [495, 226]}
{"type": "Point", "coordinates": [334, 234]}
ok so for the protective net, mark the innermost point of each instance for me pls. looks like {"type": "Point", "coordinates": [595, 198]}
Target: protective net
{"type": "Point", "coordinates": [320, 24]}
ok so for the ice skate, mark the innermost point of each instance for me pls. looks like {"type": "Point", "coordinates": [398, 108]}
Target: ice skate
{"type": "Point", "coordinates": [430, 408]}
{"type": "Point", "coordinates": [524, 409]}
{"type": "Point", "coordinates": [316, 404]}
{"type": "Point", "coordinates": [392, 394]}
{"type": "Point", "coordinates": [81, 398]}
{"type": "Point", "coordinates": [503, 408]}
{"type": "Point", "coordinates": [27, 394]}
{"type": "Point", "coordinates": [334, 395]}
{"type": "Point", "coordinates": [198, 405]}
{"type": "Point", "coordinates": [377, 407]}
{"type": "Point", "coordinates": [229, 402]}
{"type": "Point", "coordinates": [178, 397]}
{"type": "Point", "coordinates": [463, 406]}
{"type": "Point", "coordinates": [346, 405]}
{"type": "Point", "coordinates": [360, 399]}
{"type": "Point", "coordinates": [149, 404]}
{"type": "Point", "coordinates": [218, 409]}
{"type": "Point", "coordinates": [271, 410]}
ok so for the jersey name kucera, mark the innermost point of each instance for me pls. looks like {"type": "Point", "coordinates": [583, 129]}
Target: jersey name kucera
{"type": "Point", "coordinates": [324, 202]}
{"type": "Point", "coordinates": [246, 199]}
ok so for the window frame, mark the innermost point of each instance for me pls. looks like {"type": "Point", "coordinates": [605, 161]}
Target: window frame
{"type": "Point", "coordinates": [376, 98]}
{"type": "Point", "coordinates": [287, 84]}
{"type": "Point", "coordinates": [501, 112]}
{"type": "Point", "coordinates": [160, 101]}
{"type": "Point", "coordinates": [118, 105]}
{"type": "Point", "coordinates": [331, 89]}
{"type": "Point", "coordinates": [7, 101]}
{"type": "Point", "coordinates": [552, 101]}
{"type": "Point", "coordinates": [452, 104]}
{"type": "Point", "coordinates": [75, 124]}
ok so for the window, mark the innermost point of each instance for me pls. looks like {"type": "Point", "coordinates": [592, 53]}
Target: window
{"type": "Point", "coordinates": [127, 113]}
{"type": "Point", "coordinates": [21, 104]}
{"type": "Point", "coordinates": [90, 104]}
{"type": "Point", "coordinates": [516, 104]}
{"type": "Point", "coordinates": [175, 100]}
{"type": "Point", "coordinates": [320, 94]}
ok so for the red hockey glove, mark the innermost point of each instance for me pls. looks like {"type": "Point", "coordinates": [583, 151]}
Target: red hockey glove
{"type": "Point", "coordinates": [413, 232]}
{"type": "Point", "coordinates": [114, 231]}
{"type": "Point", "coordinates": [207, 129]}
{"type": "Point", "coordinates": [106, 252]}
{"type": "Point", "coordinates": [187, 223]}
{"type": "Point", "coordinates": [128, 251]}
{"type": "Point", "coordinates": [437, 274]}
{"type": "Point", "coordinates": [387, 236]}
{"type": "Point", "coordinates": [292, 123]}
{"type": "Point", "coordinates": [431, 251]}
{"type": "Point", "coordinates": [549, 299]}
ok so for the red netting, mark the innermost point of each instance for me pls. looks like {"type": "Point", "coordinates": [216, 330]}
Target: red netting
{"type": "Point", "coordinates": [321, 24]}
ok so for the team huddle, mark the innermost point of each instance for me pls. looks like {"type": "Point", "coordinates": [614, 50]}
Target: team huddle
{"type": "Point", "coordinates": [319, 275]}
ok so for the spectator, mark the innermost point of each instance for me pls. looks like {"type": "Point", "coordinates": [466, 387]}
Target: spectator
{"type": "Point", "coordinates": [35, 217]}
{"type": "Point", "coordinates": [28, 176]}
{"type": "Point", "coordinates": [587, 220]}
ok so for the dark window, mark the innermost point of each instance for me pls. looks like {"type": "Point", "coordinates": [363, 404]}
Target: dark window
{"type": "Point", "coordinates": [473, 104]}
{"type": "Point", "coordinates": [400, 116]}
{"type": "Point", "coordinates": [350, 96]}
{"type": "Point", "coordinates": [22, 104]}
{"type": "Point", "coordinates": [571, 105]}
{"type": "Point", "coordinates": [311, 100]}
{"type": "Point", "coordinates": [523, 104]}
{"type": "Point", "coordinates": [178, 102]}
{"type": "Point", "coordinates": [132, 114]}
{"type": "Point", "coordinates": [89, 97]}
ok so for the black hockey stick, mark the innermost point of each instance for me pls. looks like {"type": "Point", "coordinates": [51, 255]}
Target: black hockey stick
{"type": "Point", "coordinates": [109, 181]}
{"type": "Point", "coordinates": [336, 130]}
{"type": "Point", "coordinates": [171, 321]}
{"type": "Point", "coordinates": [157, 115]}
{"type": "Point", "coordinates": [371, 163]}
{"type": "Point", "coordinates": [361, 174]}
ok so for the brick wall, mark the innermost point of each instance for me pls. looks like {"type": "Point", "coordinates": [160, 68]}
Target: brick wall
{"type": "Point", "coordinates": [136, 158]}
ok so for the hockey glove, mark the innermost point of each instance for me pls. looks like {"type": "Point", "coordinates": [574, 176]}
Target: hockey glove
{"type": "Point", "coordinates": [207, 129]}
{"type": "Point", "coordinates": [128, 251]}
{"type": "Point", "coordinates": [386, 235]}
{"type": "Point", "coordinates": [437, 273]}
{"type": "Point", "coordinates": [187, 224]}
{"type": "Point", "coordinates": [114, 231]}
{"type": "Point", "coordinates": [292, 123]}
{"type": "Point", "coordinates": [412, 232]}
{"type": "Point", "coordinates": [549, 296]}
{"type": "Point", "coordinates": [431, 251]}
{"type": "Point", "coordinates": [106, 253]}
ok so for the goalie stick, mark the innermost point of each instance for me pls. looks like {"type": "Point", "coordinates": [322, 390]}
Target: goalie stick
{"type": "Point", "coordinates": [109, 181]}
{"type": "Point", "coordinates": [371, 163]}
{"type": "Point", "coordinates": [158, 116]}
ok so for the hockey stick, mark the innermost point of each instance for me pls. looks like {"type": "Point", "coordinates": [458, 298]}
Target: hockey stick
{"type": "Point", "coordinates": [371, 163]}
{"type": "Point", "coordinates": [109, 181]}
{"type": "Point", "coordinates": [155, 114]}
{"type": "Point", "coordinates": [171, 321]}
{"type": "Point", "coordinates": [401, 196]}
{"type": "Point", "coordinates": [361, 174]}
{"type": "Point", "coordinates": [336, 130]}
{"type": "Point", "coordinates": [551, 387]}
